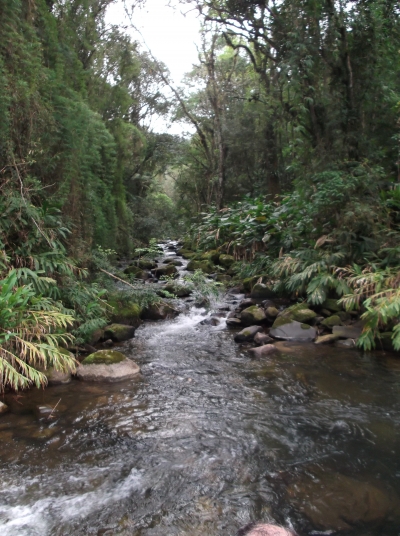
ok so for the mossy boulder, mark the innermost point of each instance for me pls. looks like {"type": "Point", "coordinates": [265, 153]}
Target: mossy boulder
{"type": "Point", "coordinates": [271, 311]}
{"type": "Point", "coordinates": [132, 270]}
{"type": "Point", "coordinates": [205, 266]}
{"type": "Point", "coordinates": [186, 253]}
{"type": "Point", "coordinates": [332, 305]}
{"type": "Point", "coordinates": [261, 292]}
{"type": "Point", "coordinates": [291, 330]}
{"type": "Point", "coordinates": [181, 291]}
{"type": "Point", "coordinates": [107, 366]}
{"type": "Point", "coordinates": [159, 311]}
{"type": "Point", "coordinates": [104, 357]}
{"type": "Point", "coordinates": [249, 282]}
{"type": "Point", "coordinates": [212, 255]}
{"type": "Point", "coordinates": [226, 260]}
{"type": "Point", "coordinates": [331, 321]}
{"type": "Point", "coordinates": [223, 278]}
{"type": "Point", "coordinates": [252, 315]}
{"type": "Point", "coordinates": [173, 262]}
{"type": "Point", "coordinates": [119, 332]}
{"type": "Point", "coordinates": [125, 312]}
{"type": "Point", "coordinates": [247, 334]}
{"type": "Point", "coordinates": [298, 312]}
{"type": "Point", "coordinates": [165, 270]}
{"type": "Point", "coordinates": [146, 264]}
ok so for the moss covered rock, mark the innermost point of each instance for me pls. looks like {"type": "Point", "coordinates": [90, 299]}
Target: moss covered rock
{"type": "Point", "coordinates": [169, 269]}
{"type": "Point", "coordinates": [223, 278]}
{"type": "Point", "coordinates": [249, 282]}
{"type": "Point", "coordinates": [252, 315]}
{"type": "Point", "coordinates": [226, 260]}
{"type": "Point", "coordinates": [159, 311]}
{"type": "Point", "coordinates": [146, 264]}
{"type": "Point", "coordinates": [292, 330]}
{"type": "Point", "coordinates": [205, 266]}
{"type": "Point", "coordinates": [119, 332]}
{"type": "Point", "coordinates": [298, 312]}
{"type": "Point", "coordinates": [186, 253]}
{"type": "Point", "coordinates": [125, 313]}
{"type": "Point", "coordinates": [212, 255]}
{"type": "Point", "coordinates": [261, 292]}
{"type": "Point", "coordinates": [331, 321]}
{"type": "Point", "coordinates": [332, 305]}
{"type": "Point", "coordinates": [179, 290]}
{"type": "Point", "coordinates": [104, 357]}
{"type": "Point", "coordinates": [131, 270]}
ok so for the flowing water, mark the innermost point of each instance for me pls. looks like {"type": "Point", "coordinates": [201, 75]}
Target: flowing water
{"type": "Point", "coordinates": [206, 440]}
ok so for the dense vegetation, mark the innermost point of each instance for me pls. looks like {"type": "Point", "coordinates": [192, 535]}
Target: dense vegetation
{"type": "Point", "coordinates": [293, 167]}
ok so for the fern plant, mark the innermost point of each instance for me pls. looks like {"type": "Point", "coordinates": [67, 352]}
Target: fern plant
{"type": "Point", "coordinates": [32, 334]}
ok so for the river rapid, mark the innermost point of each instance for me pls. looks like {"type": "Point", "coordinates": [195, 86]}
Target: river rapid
{"type": "Point", "coordinates": [207, 439]}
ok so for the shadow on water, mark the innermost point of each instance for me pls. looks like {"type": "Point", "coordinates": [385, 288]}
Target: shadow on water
{"type": "Point", "coordinates": [206, 440]}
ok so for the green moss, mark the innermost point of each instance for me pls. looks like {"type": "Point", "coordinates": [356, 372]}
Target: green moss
{"type": "Point", "coordinates": [332, 305]}
{"type": "Point", "coordinates": [305, 326]}
{"type": "Point", "coordinates": [226, 260]}
{"type": "Point", "coordinates": [331, 321]}
{"type": "Point", "coordinates": [205, 266]}
{"type": "Point", "coordinates": [212, 255]}
{"type": "Point", "coordinates": [104, 357]}
{"type": "Point", "coordinates": [281, 321]}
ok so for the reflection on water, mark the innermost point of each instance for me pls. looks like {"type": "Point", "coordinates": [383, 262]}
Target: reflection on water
{"type": "Point", "coordinates": [207, 440]}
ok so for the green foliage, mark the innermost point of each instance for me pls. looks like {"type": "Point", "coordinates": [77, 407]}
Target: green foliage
{"type": "Point", "coordinates": [32, 333]}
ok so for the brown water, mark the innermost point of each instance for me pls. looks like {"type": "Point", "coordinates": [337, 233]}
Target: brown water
{"type": "Point", "coordinates": [206, 440]}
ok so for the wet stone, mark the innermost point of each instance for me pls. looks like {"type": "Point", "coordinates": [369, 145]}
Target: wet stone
{"type": "Point", "coordinates": [252, 315]}
{"type": "Point", "coordinates": [293, 331]}
{"type": "Point", "coordinates": [263, 351]}
{"type": "Point", "coordinates": [3, 408]}
{"type": "Point", "coordinates": [337, 502]}
{"type": "Point", "coordinates": [233, 322]}
{"type": "Point", "coordinates": [247, 334]}
{"type": "Point", "coordinates": [262, 338]}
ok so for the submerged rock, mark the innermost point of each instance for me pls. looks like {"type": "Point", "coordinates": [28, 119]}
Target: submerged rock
{"type": "Point", "coordinates": [247, 334]}
{"type": "Point", "coordinates": [252, 315]}
{"type": "Point", "coordinates": [345, 343]}
{"type": "Point", "coordinates": [347, 332]}
{"type": "Point", "coordinates": [292, 331]}
{"type": "Point", "coordinates": [337, 502]}
{"type": "Point", "coordinates": [262, 351]}
{"type": "Point", "coordinates": [119, 332]}
{"type": "Point", "coordinates": [262, 338]}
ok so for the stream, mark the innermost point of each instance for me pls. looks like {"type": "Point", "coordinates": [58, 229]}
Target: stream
{"type": "Point", "coordinates": [207, 439]}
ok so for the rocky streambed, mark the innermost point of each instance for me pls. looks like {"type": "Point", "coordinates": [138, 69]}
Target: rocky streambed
{"type": "Point", "coordinates": [212, 433]}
